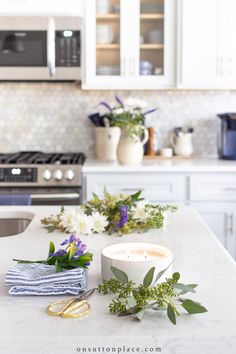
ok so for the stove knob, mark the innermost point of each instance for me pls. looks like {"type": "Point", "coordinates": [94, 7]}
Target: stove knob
{"type": "Point", "coordinates": [47, 175]}
{"type": "Point", "coordinates": [58, 175]}
{"type": "Point", "coordinates": [69, 175]}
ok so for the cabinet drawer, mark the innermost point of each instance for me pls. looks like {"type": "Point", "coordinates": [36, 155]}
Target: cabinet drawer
{"type": "Point", "coordinates": [156, 187]}
{"type": "Point", "coordinates": [213, 187]}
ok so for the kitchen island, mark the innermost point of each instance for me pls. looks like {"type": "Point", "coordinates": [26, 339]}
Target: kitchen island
{"type": "Point", "coordinates": [199, 257]}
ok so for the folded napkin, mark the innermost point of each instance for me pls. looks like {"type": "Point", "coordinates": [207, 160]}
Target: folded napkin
{"type": "Point", "coordinates": [15, 199]}
{"type": "Point", "coordinates": [41, 279]}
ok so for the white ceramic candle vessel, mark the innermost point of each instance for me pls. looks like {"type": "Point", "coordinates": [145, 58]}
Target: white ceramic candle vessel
{"type": "Point", "coordinates": [135, 259]}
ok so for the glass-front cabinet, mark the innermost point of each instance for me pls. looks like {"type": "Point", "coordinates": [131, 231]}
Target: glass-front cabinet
{"type": "Point", "coordinates": [129, 44]}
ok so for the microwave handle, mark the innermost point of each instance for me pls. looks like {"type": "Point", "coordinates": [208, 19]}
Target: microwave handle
{"type": "Point", "coordinates": [51, 48]}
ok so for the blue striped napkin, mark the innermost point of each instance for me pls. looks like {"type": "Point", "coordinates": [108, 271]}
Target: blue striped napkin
{"type": "Point", "coordinates": [41, 279]}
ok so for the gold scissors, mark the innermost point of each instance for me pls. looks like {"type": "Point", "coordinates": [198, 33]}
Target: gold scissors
{"type": "Point", "coordinates": [73, 308]}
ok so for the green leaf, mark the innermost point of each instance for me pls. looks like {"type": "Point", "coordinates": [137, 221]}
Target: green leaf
{"type": "Point", "coordinates": [185, 288]}
{"type": "Point", "coordinates": [62, 210]}
{"type": "Point", "coordinates": [51, 247]}
{"type": "Point", "coordinates": [171, 314]}
{"type": "Point", "coordinates": [147, 281]}
{"type": "Point", "coordinates": [95, 196]}
{"type": "Point", "coordinates": [193, 307]}
{"type": "Point", "coordinates": [121, 276]}
{"type": "Point", "coordinates": [140, 314]}
{"type": "Point", "coordinates": [131, 302]}
{"type": "Point", "coordinates": [159, 275]}
{"type": "Point", "coordinates": [58, 267]}
{"type": "Point", "coordinates": [176, 276]}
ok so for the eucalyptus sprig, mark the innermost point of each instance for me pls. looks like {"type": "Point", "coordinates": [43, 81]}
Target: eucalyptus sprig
{"type": "Point", "coordinates": [134, 300]}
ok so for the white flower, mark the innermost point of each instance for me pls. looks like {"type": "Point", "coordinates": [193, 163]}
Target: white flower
{"type": "Point", "coordinates": [99, 222]}
{"type": "Point", "coordinates": [139, 212]}
{"type": "Point", "coordinates": [67, 218]}
{"type": "Point", "coordinates": [81, 224]}
{"type": "Point", "coordinates": [134, 103]}
{"type": "Point", "coordinates": [118, 111]}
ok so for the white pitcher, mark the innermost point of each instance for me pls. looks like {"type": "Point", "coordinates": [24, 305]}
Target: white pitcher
{"type": "Point", "coordinates": [182, 144]}
{"type": "Point", "coordinates": [130, 152]}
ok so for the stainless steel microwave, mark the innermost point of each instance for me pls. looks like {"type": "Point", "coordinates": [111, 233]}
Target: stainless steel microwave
{"type": "Point", "coordinates": [40, 48]}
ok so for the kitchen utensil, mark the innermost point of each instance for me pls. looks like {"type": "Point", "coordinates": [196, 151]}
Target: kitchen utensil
{"type": "Point", "coordinates": [182, 144]}
{"type": "Point", "coordinates": [151, 8]}
{"type": "Point", "coordinates": [166, 152]}
{"type": "Point", "coordinates": [68, 308]}
{"type": "Point", "coordinates": [155, 36]}
{"type": "Point", "coordinates": [108, 70]}
{"type": "Point", "coordinates": [178, 131]}
{"type": "Point", "coordinates": [103, 6]}
{"type": "Point", "coordinates": [104, 34]}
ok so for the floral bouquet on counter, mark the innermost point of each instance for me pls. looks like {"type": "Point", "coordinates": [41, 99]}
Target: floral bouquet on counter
{"type": "Point", "coordinates": [72, 256]}
{"type": "Point", "coordinates": [119, 213]}
{"type": "Point", "coordinates": [129, 115]}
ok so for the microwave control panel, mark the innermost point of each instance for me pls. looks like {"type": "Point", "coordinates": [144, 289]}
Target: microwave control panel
{"type": "Point", "coordinates": [68, 48]}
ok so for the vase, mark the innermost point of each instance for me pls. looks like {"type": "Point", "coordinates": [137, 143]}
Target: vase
{"type": "Point", "coordinates": [106, 142]}
{"type": "Point", "coordinates": [130, 150]}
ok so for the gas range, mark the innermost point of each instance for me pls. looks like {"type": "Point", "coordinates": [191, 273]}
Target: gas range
{"type": "Point", "coordinates": [50, 178]}
{"type": "Point", "coordinates": [41, 169]}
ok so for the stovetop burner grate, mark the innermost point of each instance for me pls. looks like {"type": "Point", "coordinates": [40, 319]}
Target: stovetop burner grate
{"type": "Point", "coordinates": [40, 158]}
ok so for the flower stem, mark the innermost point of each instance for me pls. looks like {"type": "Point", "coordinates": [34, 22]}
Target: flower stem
{"type": "Point", "coordinates": [25, 261]}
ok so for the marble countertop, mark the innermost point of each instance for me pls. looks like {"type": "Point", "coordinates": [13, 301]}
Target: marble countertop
{"type": "Point", "coordinates": [152, 165]}
{"type": "Point", "coordinates": [199, 257]}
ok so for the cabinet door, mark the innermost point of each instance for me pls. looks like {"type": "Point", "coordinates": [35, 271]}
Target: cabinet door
{"type": "Point", "coordinates": [207, 45]}
{"type": "Point", "coordinates": [105, 44]}
{"type": "Point", "coordinates": [198, 43]}
{"type": "Point", "coordinates": [140, 51]}
{"type": "Point", "coordinates": [221, 218]}
{"type": "Point", "coordinates": [152, 61]}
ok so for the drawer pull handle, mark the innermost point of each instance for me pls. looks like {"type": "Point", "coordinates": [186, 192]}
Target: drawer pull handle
{"type": "Point", "coordinates": [230, 189]}
{"type": "Point", "coordinates": [230, 224]}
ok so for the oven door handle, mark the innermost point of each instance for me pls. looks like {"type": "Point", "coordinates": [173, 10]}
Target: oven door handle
{"type": "Point", "coordinates": [51, 47]}
{"type": "Point", "coordinates": [65, 196]}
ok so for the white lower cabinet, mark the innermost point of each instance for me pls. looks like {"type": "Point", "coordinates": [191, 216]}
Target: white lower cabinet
{"type": "Point", "coordinates": [213, 195]}
{"type": "Point", "coordinates": [221, 218]}
{"type": "Point", "coordinates": [155, 187]}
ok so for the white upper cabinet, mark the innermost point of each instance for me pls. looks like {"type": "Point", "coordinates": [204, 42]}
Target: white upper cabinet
{"type": "Point", "coordinates": [129, 44]}
{"type": "Point", "coordinates": [207, 44]}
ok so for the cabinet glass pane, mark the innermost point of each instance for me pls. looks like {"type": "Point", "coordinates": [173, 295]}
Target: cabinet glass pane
{"type": "Point", "coordinates": [152, 37]}
{"type": "Point", "coordinates": [108, 37]}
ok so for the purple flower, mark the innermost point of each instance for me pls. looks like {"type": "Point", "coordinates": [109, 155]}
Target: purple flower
{"type": "Point", "coordinates": [65, 242]}
{"type": "Point", "coordinates": [59, 253]}
{"type": "Point", "coordinates": [118, 100]}
{"type": "Point", "coordinates": [123, 216]}
{"type": "Point", "coordinates": [72, 238]}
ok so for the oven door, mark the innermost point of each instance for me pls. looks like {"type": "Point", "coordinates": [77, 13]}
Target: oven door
{"type": "Point", "coordinates": [40, 48]}
{"type": "Point", "coordinates": [48, 196]}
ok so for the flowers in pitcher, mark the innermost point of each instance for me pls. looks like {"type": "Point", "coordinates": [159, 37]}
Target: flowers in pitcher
{"type": "Point", "coordinates": [128, 115]}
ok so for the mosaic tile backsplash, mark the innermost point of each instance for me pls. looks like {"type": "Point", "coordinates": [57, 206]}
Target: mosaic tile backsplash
{"type": "Point", "coordinates": [53, 116]}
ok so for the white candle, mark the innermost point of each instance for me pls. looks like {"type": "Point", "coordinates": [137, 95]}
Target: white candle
{"type": "Point", "coordinates": [135, 259]}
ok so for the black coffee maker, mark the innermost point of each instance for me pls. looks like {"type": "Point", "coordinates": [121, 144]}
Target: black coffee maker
{"type": "Point", "coordinates": [228, 136]}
